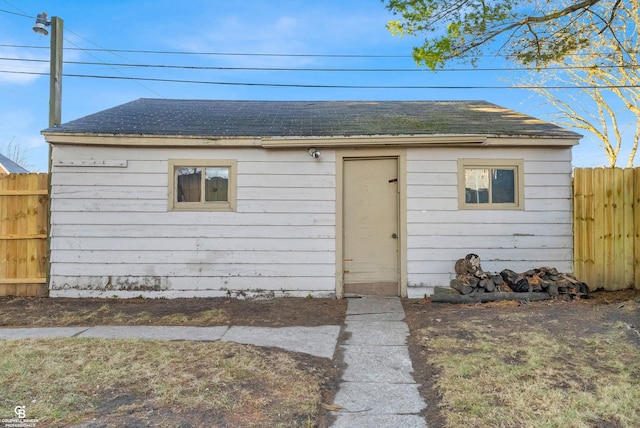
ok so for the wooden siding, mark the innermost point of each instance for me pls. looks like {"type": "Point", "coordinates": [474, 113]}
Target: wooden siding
{"type": "Point", "coordinates": [23, 234]}
{"type": "Point", "coordinates": [606, 225]}
{"type": "Point", "coordinates": [113, 233]}
{"type": "Point", "coordinates": [438, 233]}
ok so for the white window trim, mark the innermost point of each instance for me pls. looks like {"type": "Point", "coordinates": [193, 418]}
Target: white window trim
{"type": "Point", "coordinates": [229, 205]}
{"type": "Point", "coordinates": [516, 164]}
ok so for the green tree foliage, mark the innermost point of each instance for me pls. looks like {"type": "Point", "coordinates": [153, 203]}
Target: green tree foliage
{"type": "Point", "coordinates": [530, 32]}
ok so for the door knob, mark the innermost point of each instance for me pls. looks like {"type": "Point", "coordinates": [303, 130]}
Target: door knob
{"type": "Point", "coordinates": [394, 235]}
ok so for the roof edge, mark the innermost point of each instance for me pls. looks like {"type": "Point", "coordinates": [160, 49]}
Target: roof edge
{"type": "Point", "coordinates": [324, 141]}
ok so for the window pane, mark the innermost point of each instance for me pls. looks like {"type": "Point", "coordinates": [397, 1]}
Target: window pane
{"type": "Point", "coordinates": [503, 186]}
{"type": "Point", "coordinates": [188, 189]}
{"type": "Point", "coordinates": [476, 186]}
{"type": "Point", "coordinates": [217, 184]}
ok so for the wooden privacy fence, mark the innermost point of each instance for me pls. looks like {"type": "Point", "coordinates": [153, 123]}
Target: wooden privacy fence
{"type": "Point", "coordinates": [606, 213]}
{"type": "Point", "coordinates": [24, 205]}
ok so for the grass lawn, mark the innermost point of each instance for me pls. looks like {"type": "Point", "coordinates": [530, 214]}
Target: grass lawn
{"type": "Point", "coordinates": [63, 382]}
{"type": "Point", "coordinates": [532, 379]}
{"type": "Point", "coordinates": [548, 364]}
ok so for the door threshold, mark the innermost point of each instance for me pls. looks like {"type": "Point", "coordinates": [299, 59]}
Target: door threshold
{"type": "Point", "coordinates": [381, 289]}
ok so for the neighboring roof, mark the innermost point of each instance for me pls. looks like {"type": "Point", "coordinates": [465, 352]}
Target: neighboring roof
{"type": "Point", "coordinates": [10, 167]}
{"type": "Point", "coordinates": [228, 119]}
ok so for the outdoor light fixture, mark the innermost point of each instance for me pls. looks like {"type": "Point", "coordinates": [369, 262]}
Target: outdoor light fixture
{"type": "Point", "coordinates": [41, 24]}
{"type": "Point", "coordinates": [314, 153]}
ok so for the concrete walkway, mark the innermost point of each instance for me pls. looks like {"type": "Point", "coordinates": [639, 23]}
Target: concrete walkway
{"type": "Point", "coordinates": [377, 388]}
{"type": "Point", "coordinates": [319, 341]}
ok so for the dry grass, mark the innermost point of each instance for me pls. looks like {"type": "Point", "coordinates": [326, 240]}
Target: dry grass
{"type": "Point", "coordinates": [66, 381]}
{"type": "Point", "coordinates": [87, 317]}
{"type": "Point", "coordinates": [533, 378]}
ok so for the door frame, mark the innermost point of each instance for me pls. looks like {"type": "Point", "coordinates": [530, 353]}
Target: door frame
{"type": "Point", "coordinates": [362, 154]}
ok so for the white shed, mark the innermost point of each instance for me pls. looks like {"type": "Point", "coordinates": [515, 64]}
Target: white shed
{"type": "Point", "coordinates": [182, 198]}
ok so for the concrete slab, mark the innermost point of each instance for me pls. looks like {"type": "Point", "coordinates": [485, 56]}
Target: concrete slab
{"type": "Point", "coordinates": [377, 387]}
{"type": "Point", "coordinates": [156, 332]}
{"type": "Point", "coordinates": [374, 309]}
{"type": "Point", "coordinates": [384, 333]}
{"type": "Point", "coordinates": [388, 316]}
{"type": "Point", "coordinates": [368, 305]}
{"type": "Point", "coordinates": [379, 398]}
{"type": "Point", "coordinates": [319, 341]}
{"type": "Point", "coordinates": [379, 421]}
{"type": "Point", "coordinates": [39, 332]}
{"type": "Point", "coordinates": [386, 364]}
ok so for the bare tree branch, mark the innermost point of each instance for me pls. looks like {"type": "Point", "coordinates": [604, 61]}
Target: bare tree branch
{"type": "Point", "coordinates": [586, 4]}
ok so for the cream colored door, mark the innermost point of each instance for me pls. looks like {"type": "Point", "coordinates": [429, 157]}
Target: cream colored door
{"type": "Point", "coordinates": [370, 226]}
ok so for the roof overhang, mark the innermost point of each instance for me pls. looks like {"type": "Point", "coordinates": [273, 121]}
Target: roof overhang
{"type": "Point", "coordinates": [296, 142]}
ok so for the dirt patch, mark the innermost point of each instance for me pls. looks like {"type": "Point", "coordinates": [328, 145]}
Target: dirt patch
{"type": "Point", "coordinates": [281, 312]}
{"type": "Point", "coordinates": [602, 313]}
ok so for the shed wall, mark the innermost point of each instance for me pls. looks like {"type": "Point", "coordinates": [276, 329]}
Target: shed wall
{"type": "Point", "coordinates": [112, 232]}
{"type": "Point", "coordinates": [438, 233]}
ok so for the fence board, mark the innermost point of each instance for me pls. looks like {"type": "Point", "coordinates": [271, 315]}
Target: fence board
{"type": "Point", "coordinates": [636, 226]}
{"type": "Point", "coordinates": [628, 231]}
{"type": "Point", "coordinates": [585, 228]}
{"type": "Point", "coordinates": [23, 234]}
{"type": "Point", "coordinates": [607, 227]}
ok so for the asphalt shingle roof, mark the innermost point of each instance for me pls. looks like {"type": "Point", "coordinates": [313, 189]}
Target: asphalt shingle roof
{"type": "Point", "coordinates": [10, 166]}
{"type": "Point", "coordinates": [213, 118]}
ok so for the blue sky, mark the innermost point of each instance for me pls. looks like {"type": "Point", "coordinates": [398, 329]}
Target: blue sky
{"type": "Point", "coordinates": [313, 32]}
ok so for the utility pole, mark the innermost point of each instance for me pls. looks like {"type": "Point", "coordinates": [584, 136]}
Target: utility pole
{"type": "Point", "coordinates": [55, 102]}
{"type": "Point", "coordinates": [55, 83]}
{"type": "Point", "coordinates": [55, 73]}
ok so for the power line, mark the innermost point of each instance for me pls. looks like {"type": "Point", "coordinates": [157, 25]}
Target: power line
{"type": "Point", "coordinates": [7, 45]}
{"type": "Point", "coordinates": [250, 54]}
{"type": "Point", "coordinates": [320, 69]}
{"type": "Point", "coordinates": [321, 86]}
{"type": "Point", "coordinates": [113, 68]}
{"type": "Point", "coordinates": [225, 68]}
{"type": "Point", "coordinates": [16, 13]}
{"type": "Point", "coordinates": [100, 48]}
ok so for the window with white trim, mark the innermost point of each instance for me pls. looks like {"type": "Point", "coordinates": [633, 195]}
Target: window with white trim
{"type": "Point", "coordinates": [202, 185]}
{"type": "Point", "coordinates": [491, 184]}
